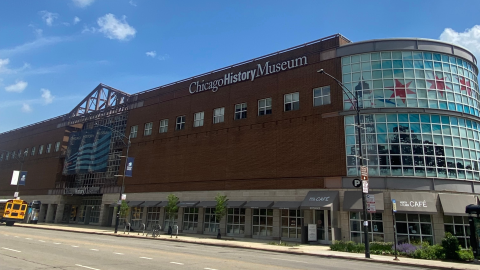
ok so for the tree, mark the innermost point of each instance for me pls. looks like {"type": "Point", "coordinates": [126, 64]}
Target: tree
{"type": "Point", "coordinates": [172, 208]}
{"type": "Point", "coordinates": [220, 210]}
{"type": "Point", "coordinates": [123, 209]}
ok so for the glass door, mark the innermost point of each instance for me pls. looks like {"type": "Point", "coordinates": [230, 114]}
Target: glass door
{"type": "Point", "coordinates": [324, 226]}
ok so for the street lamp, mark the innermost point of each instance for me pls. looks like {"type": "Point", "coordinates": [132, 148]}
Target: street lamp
{"type": "Point", "coordinates": [359, 132]}
{"type": "Point", "coordinates": [117, 218]}
{"type": "Point", "coordinates": [21, 163]}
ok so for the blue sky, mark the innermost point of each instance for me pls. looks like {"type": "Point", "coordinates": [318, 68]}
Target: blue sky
{"type": "Point", "coordinates": [53, 53]}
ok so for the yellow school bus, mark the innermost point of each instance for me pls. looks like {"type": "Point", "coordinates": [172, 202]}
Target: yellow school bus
{"type": "Point", "coordinates": [12, 210]}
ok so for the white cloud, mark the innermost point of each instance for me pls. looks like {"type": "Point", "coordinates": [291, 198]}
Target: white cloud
{"type": "Point", "coordinates": [26, 108]}
{"type": "Point", "coordinates": [115, 29]}
{"type": "Point", "coordinates": [76, 20]}
{"type": "Point", "coordinates": [163, 57]}
{"type": "Point", "coordinates": [38, 33]}
{"type": "Point", "coordinates": [151, 54]}
{"type": "Point", "coordinates": [83, 3]}
{"type": "Point", "coordinates": [4, 63]}
{"type": "Point", "coordinates": [87, 29]}
{"type": "Point", "coordinates": [18, 87]}
{"type": "Point", "coordinates": [469, 39]}
{"type": "Point", "coordinates": [48, 17]}
{"type": "Point", "coordinates": [47, 96]}
{"type": "Point", "coordinates": [40, 42]}
{"type": "Point", "coordinates": [132, 3]}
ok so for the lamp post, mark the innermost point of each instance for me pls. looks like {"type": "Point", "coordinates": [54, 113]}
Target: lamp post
{"type": "Point", "coordinates": [117, 218]}
{"type": "Point", "coordinates": [359, 132]}
{"type": "Point", "coordinates": [21, 163]}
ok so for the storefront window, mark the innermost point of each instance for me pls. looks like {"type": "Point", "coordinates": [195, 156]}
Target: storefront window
{"type": "Point", "coordinates": [211, 223]}
{"type": "Point", "coordinates": [291, 223]}
{"type": "Point", "coordinates": [375, 227]}
{"type": "Point", "coordinates": [190, 219]}
{"type": "Point", "coordinates": [414, 228]}
{"type": "Point", "coordinates": [153, 216]}
{"type": "Point", "coordinates": [236, 221]}
{"type": "Point", "coordinates": [136, 216]}
{"type": "Point", "coordinates": [262, 223]}
{"type": "Point", "coordinates": [459, 227]}
{"type": "Point", "coordinates": [170, 220]}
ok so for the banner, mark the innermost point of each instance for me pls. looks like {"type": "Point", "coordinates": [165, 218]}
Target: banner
{"type": "Point", "coordinates": [23, 178]}
{"type": "Point", "coordinates": [129, 169]}
{"type": "Point", "coordinates": [14, 180]}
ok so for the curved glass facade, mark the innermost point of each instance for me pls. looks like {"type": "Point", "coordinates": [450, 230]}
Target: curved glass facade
{"type": "Point", "coordinates": [411, 79]}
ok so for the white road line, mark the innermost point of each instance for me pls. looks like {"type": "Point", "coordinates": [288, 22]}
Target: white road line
{"type": "Point", "coordinates": [6, 234]}
{"type": "Point", "coordinates": [209, 268]}
{"type": "Point", "coordinates": [11, 249]}
{"type": "Point", "coordinates": [94, 249]}
{"type": "Point", "coordinates": [57, 243]}
{"type": "Point", "coordinates": [41, 241]}
{"type": "Point", "coordinates": [86, 267]}
{"type": "Point", "coordinates": [74, 246]}
{"type": "Point", "coordinates": [177, 263]}
{"type": "Point", "coordinates": [291, 260]}
{"type": "Point", "coordinates": [145, 258]}
{"type": "Point", "coordinates": [118, 253]}
{"type": "Point", "coordinates": [28, 238]}
{"type": "Point", "coordinates": [16, 236]}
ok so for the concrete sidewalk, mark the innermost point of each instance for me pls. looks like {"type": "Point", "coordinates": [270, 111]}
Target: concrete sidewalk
{"type": "Point", "coordinates": [257, 244]}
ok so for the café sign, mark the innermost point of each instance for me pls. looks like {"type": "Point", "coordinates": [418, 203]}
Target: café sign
{"type": "Point", "coordinates": [319, 199]}
{"type": "Point", "coordinates": [417, 204]}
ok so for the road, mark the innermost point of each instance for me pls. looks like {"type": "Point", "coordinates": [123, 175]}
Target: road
{"type": "Point", "coordinates": [27, 248]}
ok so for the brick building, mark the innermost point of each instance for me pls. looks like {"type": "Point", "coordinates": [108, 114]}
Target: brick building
{"type": "Point", "coordinates": [278, 139]}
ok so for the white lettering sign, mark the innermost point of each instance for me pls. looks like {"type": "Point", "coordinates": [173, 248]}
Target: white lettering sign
{"type": "Point", "coordinates": [417, 204]}
{"type": "Point", "coordinates": [319, 199]}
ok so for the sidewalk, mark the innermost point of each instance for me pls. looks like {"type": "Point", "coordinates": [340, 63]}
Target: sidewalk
{"type": "Point", "coordinates": [257, 244]}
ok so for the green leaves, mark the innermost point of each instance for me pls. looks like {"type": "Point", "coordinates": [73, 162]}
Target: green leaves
{"type": "Point", "coordinates": [172, 209]}
{"type": "Point", "coordinates": [221, 208]}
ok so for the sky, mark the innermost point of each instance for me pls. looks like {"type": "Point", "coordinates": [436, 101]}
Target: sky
{"type": "Point", "coordinates": [53, 53]}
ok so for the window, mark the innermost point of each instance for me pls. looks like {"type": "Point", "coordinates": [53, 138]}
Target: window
{"type": "Point", "coordinates": [57, 146]}
{"type": "Point", "coordinates": [211, 223]}
{"type": "Point", "coordinates": [291, 223]}
{"type": "Point", "coordinates": [133, 131]}
{"type": "Point", "coordinates": [240, 111]}
{"type": "Point", "coordinates": [1, 156]}
{"type": "Point", "coordinates": [375, 227]}
{"type": "Point", "coordinates": [180, 122]}
{"type": "Point", "coordinates": [190, 219]}
{"type": "Point", "coordinates": [218, 115]}
{"type": "Point", "coordinates": [236, 221]}
{"type": "Point", "coordinates": [170, 221]}
{"type": "Point", "coordinates": [148, 129]}
{"type": "Point", "coordinates": [416, 228]}
{"type": "Point", "coordinates": [6, 155]}
{"type": "Point", "coordinates": [25, 152]}
{"type": "Point", "coordinates": [163, 126]}
{"type": "Point", "coordinates": [262, 222]}
{"type": "Point", "coordinates": [40, 149]}
{"type": "Point", "coordinates": [19, 153]}
{"type": "Point", "coordinates": [321, 96]}
{"type": "Point", "coordinates": [265, 106]}
{"type": "Point", "coordinates": [49, 147]}
{"type": "Point", "coordinates": [153, 216]}
{"type": "Point", "coordinates": [14, 154]}
{"type": "Point", "coordinates": [198, 119]}
{"type": "Point", "coordinates": [136, 217]}
{"type": "Point", "coordinates": [459, 227]}
{"type": "Point", "coordinates": [33, 151]}
{"type": "Point", "coordinates": [292, 102]}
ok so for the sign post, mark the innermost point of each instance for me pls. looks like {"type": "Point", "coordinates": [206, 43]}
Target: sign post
{"type": "Point", "coordinates": [15, 195]}
{"type": "Point", "coordinates": [394, 210]}
{"type": "Point", "coordinates": [371, 207]}
{"type": "Point", "coordinates": [356, 183]}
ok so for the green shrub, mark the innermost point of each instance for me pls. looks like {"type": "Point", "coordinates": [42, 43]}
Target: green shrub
{"type": "Point", "coordinates": [349, 246]}
{"type": "Point", "coordinates": [381, 248]}
{"type": "Point", "coordinates": [451, 246]}
{"type": "Point", "coordinates": [428, 252]}
{"type": "Point", "coordinates": [466, 255]}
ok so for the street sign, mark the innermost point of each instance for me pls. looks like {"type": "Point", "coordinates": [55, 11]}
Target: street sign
{"type": "Point", "coordinates": [371, 208]}
{"type": "Point", "coordinates": [356, 183]}
{"type": "Point", "coordinates": [370, 198]}
{"type": "Point", "coordinates": [394, 206]}
{"type": "Point", "coordinates": [124, 197]}
{"type": "Point", "coordinates": [365, 186]}
{"type": "Point", "coordinates": [364, 173]}
{"type": "Point", "coordinates": [15, 195]}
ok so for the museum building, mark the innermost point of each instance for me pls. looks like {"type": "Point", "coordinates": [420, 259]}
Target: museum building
{"type": "Point", "coordinates": [278, 139]}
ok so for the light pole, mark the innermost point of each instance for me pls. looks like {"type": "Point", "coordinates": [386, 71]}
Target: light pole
{"type": "Point", "coordinates": [21, 164]}
{"type": "Point", "coordinates": [117, 218]}
{"type": "Point", "coordinates": [359, 132]}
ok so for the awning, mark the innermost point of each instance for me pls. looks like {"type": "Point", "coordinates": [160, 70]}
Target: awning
{"type": "Point", "coordinates": [321, 200]}
{"type": "Point", "coordinates": [188, 203]}
{"type": "Point", "coordinates": [207, 204]}
{"type": "Point", "coordinates": [415, 202]}
{"type": "Point", "coordinates": [236, 204]}
{"type": "Point", "coordinates": [151, 203]}
{"type": "Point", "coordinates": [454, 204]}
{"type": "Point", "coordinates": [286, 205]}
{"type": "Point", "coordinates": [162, 204]}
{"type": "Point", "coordinates": [113, 204]}
{"type": "Point", "coordinates": [134, 203]}
{"type": "Point", "coordinates": [352, 201]}
{"type": "Point", "coordinates": [259, 204]}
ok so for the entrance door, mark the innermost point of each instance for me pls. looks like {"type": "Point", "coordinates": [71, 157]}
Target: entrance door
{"type": "Point", "coordinates": [88, 210]}
{"type": "Point", "coordinates": [66, 213]}
{"type": "Point", "coordinates": [324, 226]}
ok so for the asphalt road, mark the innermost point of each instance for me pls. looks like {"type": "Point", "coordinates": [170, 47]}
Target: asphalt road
{"type": "Point", "coordinates": [27, 248]}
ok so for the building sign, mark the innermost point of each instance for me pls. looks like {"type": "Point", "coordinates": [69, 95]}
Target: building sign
{"type": "Point", "coordinates": [129, 168]}
{"type": "Point", "coordinates": [312, 232]}
{"type": "Point", "coordinates": [82, 191]}
{"type": "Point", "coordinates": [14, 179]}
{"type": "Point", "coordinates": [319, 199]}
{"type": "Point", "coordinates": [417, 204]}
{"type": "Point", "coordinates": [249, 75]}
{"type": "Point", "coordinates": [22, 178]}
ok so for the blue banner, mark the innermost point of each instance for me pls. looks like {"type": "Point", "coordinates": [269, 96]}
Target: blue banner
{"type": "Point", "coordinates": [22, 178]}
{"type": "Point", "coordinates": [129, 169]}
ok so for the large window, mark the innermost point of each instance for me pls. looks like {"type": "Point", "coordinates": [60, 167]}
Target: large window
{"type": "Point", "coordinates": [292, 102]}
{"type": "Point", "coordinates": [321, 96]}
{"type": "Point", "coordinates": [1, 156]}
{"type": "Point", "coordinates": [7, 155]}
{"type": "Point", "coordinates": [421, 145]}
{"type": "Point", "coordinates": [218, 115]}
{"type": "Point", "coordinates": [163, 126]}
{"type": "Point", "coordinates": [198, 119]}
{"type": "Point", "coordinates": [262, 223]}
{"type": "Point", "coordinates": [14, 154]}
{"type": "Point", "coordinates": [136, 217]}
{"type": "Point", "coordinates": [148, 129]}
{"type": "Point", "coordinates": [375, 227]}
{"type": "Point", "coordinates": [236, 221]}
{"type": "Point", "coordinates": [240, 111]}
{"type": "Point", "coordinates": [411, 79]}
{"type": "Point", "coordinates": [190, 219]}
{"type": "Point", "coordinates": [153, 216]}
{"type": "Point", "coordinates": [33, 151]}
{"type": "Point", "coordinates": [49, 148]}
{"type": "Point", "coordinates": [265, 106]}
{"type": "Point", "coordinates": [211, 224]}
{"type": "Point", "coordinates": [133, 131]}
{"type": "Point", "coordinates": [180, 124]}
{"type": "Point", "coordinates": [459, 227]}
{"type": "Point", "coordinates": [291, 223]}
{"type": "Point", "coordinates": [170, 221]}
{"type": "Point", "coordinates": [25, 152]}
{"type": "Point", "coordinates": [40, 149]}
{"type": "Point", "coordinates": [57, 146]}
{"type": "Point", "coordinates": [414, 228]}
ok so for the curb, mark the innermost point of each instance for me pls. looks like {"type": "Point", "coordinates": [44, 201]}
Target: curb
{"type": "Point", "coordinates": [254, 248]}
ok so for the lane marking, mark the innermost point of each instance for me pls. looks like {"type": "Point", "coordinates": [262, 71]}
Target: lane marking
{"type": "Point", "coordinates": [74, 246]}
{"type": "Point", "coordinates": [177, 263]}
{"type": "Point", "coordinates": [5, 234]}
{"type": "Point", "coordinates": [86, 267]}
{"type": "Point", "coordinates": [11, 249]}
{"type": "Point", "coordinates": [41, 241]}
{"type": "Point", "coordinates": [16, 236]}
{"type": "Point", "coordinates": [209, 268]}
{"type": "Point", "coordinates": [94, 249]}
{"type": "Point", "coordinates": [291, 260]}
{"type": "Point", "coordinates": [118, 253]}
{"type": "Point", "coordinates": [145, 258]}
{"type": "Point", "coordinates": [28, 238]}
